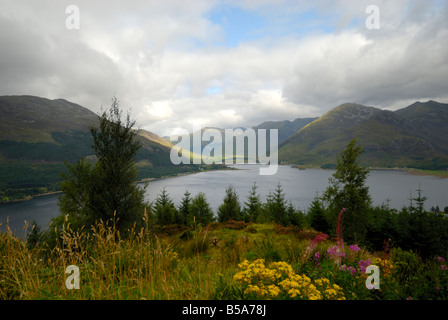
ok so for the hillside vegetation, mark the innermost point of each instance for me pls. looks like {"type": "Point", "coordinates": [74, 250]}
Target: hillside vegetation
{"type": "Point", "coordinates": [413, 137]}
{"type": "Point", "coordinates": [38, 135]}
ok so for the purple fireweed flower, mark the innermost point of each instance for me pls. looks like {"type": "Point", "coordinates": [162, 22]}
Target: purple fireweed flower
{"type": "Point", "coordinates": [336, 251]}
{"type": "Point", "coordinates": [351, 269]}
{"type": "Point", "coordinates": [354, 247]}
{"type": "Point", "coordinates": [363, 264]}
{"type": "Point", "coordinates": [440, 259]}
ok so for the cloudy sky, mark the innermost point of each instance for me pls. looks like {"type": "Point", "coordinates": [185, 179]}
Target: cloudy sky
{"type": "Point", "coordinates": [181, 63]}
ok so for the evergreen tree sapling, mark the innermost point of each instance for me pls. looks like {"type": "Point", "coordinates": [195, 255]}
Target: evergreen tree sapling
{"type": "Point", "coordinates": [276, 207]}
{"type": "Point", "coordinates": [200, 211]}
{"type": "Point", "coordinates": [253, 206]}
{"type": "Point", "coordinates": [165, 210]}
{"type": "Point", "coordinates": [108, 189]}
{"type": "Point", "coordinates": [348, 190]}
{"type": "Point", "coordinates": [317, 216]}
{"type": "Point", "coordinates": [230, 209]}
{"type": "Point", "coordinates": [184, 207]}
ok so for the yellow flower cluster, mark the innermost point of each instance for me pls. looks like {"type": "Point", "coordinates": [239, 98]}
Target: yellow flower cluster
{"type": "Point", "coordinates": [386, 266]}
{"type": "Point", "coordinates": [281, 280]}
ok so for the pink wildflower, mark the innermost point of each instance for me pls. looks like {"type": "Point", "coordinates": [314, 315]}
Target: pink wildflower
{"type": "Point", "coordinates": [351, 269]}
{"type": "Point", "coordinates": [354, 247]}
{"type": "Point", "coordinates": [363, 264]}
{"type": "Point", "coordinates": [317, 239]}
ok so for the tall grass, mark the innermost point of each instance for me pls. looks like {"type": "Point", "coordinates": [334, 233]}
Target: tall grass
{"type": "Point", "coordinates": [139, 266]}
{"type": "Point", "coordinates": [199, 264]}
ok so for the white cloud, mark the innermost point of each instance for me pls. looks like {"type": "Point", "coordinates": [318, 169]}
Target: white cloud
{"type": "Point", "coordinates": [168, 62]}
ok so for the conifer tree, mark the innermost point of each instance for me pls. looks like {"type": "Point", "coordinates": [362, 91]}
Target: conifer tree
{"type": "Point", "coordinates": [184, 207]}
{"type": "Point", "coordinates": [316, 216]}
{"type": "Point", "coordinates": [276, 206]}
{"type": "Point", "coordinates": [108, 189]}
{"type": "Point", "coordinates": [165, 210]}
{"type": "Point", "coordinates": [230, 209]}
{"type": "Point", "coordinates": [253, 206]}
{"type": "Point", "coordinates": [348, 190]}
{"type": "Point", "coordinates": [200, 211]}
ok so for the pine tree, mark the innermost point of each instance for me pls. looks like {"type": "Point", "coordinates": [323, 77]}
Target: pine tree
{"type": "Point", "coordinates": [76, 186]}
{"type": "Point", "coordinates": [276, 206]}
{"type": "Point", "coordinates": [230, 209]}
{"type": "Point", "coordinates": [184, 208]}
{"type": "Point", "coordinates": [294, 217]}
{"type": "Point", "coordinates": [253, 206]}
{"type": "Point", "coordinates": [165, 210]}
{"type": "Point", "coordinates": [316, 216]}
{"type": "Point", "coordinates": [348, 190]}
{"type": "Point", "coordinates": [115, 191]}
{"type": "Point", "coordinates": [200, 211]}
{"type": "Point", "coordinates": [109, 189]}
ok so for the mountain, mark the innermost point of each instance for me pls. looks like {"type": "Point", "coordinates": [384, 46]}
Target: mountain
{"type": "Point", "coordinates": [414, 136]}
{"type": "Point", "coordinates": [285, 128]}
{"type": "Point", "coordinates": [38, 135]}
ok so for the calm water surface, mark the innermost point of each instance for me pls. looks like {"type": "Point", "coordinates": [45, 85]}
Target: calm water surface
{"type": "Point", "coordinates": [299, 186]}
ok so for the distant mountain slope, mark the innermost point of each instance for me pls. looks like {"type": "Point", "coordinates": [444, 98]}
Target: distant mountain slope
{"type": "Point", "coordinates": [33, 119]}
{"type": "Point", "coordinates": [38, 135]}
{"type": "Point", "coordinates": [431, 120]}
{"type": "Point", "coordinates": [285, 128]}
{"type": "Point", "coordinates": [410, 137]}
{"type": "Point", "coordinates": [39, 129]}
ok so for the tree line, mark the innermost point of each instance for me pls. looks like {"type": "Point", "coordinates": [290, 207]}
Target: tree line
{"type": "Point", "coordinates": [196, 210]}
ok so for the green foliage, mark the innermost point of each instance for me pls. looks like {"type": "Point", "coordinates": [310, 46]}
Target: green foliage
{"type": "Point", "coordinates": [295, 217]}
{"type": "Point", "coordinates": [348, 190]}
{"type": "Point", "coordinates": [200, 211]}
{"type": "Point", "coordinates": [165, 211]}
{"type": "Point", "coordinates": [108, 190]}
{"type": "Point", "coordinates": [253, 206]}
{"type": "Point", "coordinates": [230, 209]}
{"type": "Point", "coordinates": [34, 236]}
{"type": "Point", "coordinates": [382, 227]}
{"type": "Point", "coordinates": [424, 233]}
{"type": "Point", "coordinates": [184, 208]}
{"type": "Point", "coordinates": [77, 187]}
{"type": "Point", "coordinates": [276, 206]}
{"type": "Point", "coordinates": [317, 218]}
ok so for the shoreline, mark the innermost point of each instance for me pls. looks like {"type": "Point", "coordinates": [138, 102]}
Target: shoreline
{"type": "Point", "coordinates": [138, 182]}
{"type": "Point", "coordinates": [32, 197]}
{"type": "Point", "coordinates": [435, 173]}
{"type": "Point", "coordinates": [418, 172]}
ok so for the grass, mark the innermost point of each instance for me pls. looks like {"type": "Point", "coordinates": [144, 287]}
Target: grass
{"type": "Point", "coordinates": [191, 264]}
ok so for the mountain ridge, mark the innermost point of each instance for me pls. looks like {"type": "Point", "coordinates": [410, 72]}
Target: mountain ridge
{"type": "Point", "coordinates": [38, 135]}
{"type": "Point", "coordinates": [401, 138]}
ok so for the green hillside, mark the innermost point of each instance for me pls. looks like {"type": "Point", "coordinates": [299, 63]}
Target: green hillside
{"type": "Point", "coordinates": [38, 135]}
{"type": "Point", "coordinates": [411, 137]}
